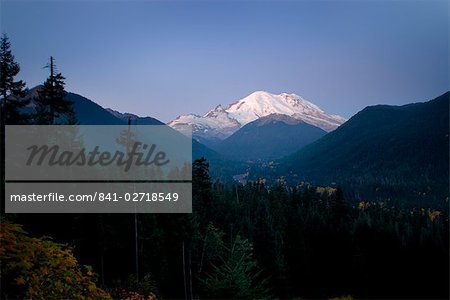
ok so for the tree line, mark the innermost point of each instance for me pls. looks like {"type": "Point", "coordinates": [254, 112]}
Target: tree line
{"type": "Point", "coordinates": [259, 242]}
{"type": "Point", "coordinates": [18, 107]}
{"type": "Point", "coordinates": [50, 105]}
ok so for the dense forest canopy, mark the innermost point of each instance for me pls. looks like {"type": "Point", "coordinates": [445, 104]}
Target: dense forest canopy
{"type": "Point", "coordinates": [257, 242]}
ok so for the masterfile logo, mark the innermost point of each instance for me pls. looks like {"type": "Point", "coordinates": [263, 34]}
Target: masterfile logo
{"type": "Point", "coordinates": [101, 152]}
{"type": "Point", "coordinates": [53, 155]}
{"type": "Point", "coordinates": [121, 165]}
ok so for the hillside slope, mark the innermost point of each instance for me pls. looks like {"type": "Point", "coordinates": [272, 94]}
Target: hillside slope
{"type": "Point", "coordinates": [383, 152]}
{"type": "Point", "coordinates": [269, 137]}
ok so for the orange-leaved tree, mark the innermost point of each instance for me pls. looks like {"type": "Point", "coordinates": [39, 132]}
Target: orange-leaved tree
{"type": "Point", "coordinates": [38, 268]}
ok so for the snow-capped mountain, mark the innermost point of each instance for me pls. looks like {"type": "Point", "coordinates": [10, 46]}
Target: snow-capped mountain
{"type": "Point", "coordinates": [215, 124]}
{"type": "Point", "coordinates": [219, 123]}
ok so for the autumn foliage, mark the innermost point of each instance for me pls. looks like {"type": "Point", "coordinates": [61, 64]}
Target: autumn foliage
{"type": "Point", "coordinates": [38, 268]}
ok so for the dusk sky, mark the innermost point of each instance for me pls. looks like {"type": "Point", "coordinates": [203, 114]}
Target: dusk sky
{"type": "Point", "coordinates": [166, 58]}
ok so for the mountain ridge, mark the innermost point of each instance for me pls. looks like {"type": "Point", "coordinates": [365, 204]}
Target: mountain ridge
{"type": "Point", "coordinates": [147, 120]}
{"type": "Point", "coordinates": [269, 137]}
{"type": "Point", "coordinates": [382, 152]}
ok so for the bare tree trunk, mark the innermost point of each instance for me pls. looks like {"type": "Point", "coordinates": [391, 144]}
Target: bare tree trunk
{"type": "Point", "coordinates": [184, 273]}
{"type": "Point", "coordinates": [203, 252]}
{"type": "Point", "coordinates": [190, 274]}
{"type": "Point", "coordinates": [136, 246]}
{"type": "Point", "coordinates": [102, 267]}
{"type": "Point", "coordinates": [52, 80]}
{"type": "Point", "coordinates": [2, 151]}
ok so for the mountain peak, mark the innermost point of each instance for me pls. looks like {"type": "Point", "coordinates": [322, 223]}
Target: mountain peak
{"type": "Point", "coordinates": [260, 93]}
{"type": "Point", "coordinates": [214, 112]}
{"type": "Point", "coordinates": [261, 103]}
{"type": "Point", "coordinates": [224, 122]}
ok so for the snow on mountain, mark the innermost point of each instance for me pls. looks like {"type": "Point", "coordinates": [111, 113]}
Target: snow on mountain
{"type": "Point", "coordinates": [214, 124]}
{"type": "Point", "coordinates": [220, 123]}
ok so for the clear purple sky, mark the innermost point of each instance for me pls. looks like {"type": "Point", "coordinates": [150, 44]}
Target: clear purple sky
{"type": "Point", "coordinates": [165, 58]}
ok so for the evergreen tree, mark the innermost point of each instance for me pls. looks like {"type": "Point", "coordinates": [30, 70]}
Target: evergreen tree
{"type": "Point", "coordinates": [10, 91]}
{"type": "Point", "coordinates": [51, 105]}
{"type": "Point", "coordinates": [237, 276]}
{"type": "Point", "coordinates": [200, 176]}
{"type": "Point", "coordinates": [201, 187]}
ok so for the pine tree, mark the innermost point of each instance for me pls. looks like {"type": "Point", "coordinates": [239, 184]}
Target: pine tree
{"type": "Point", "coordinates": [10, 91]}
{"type": "Point", "coordinates": [237, 276]}
{"type": "Point", "coordinates": [52, 107]}
{"type": "Point", "coordinates": [201, 188]}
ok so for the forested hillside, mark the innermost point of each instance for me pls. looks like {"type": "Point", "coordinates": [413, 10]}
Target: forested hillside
{"type": "Point", "coordinates": [383, 152]}
{"type": "Point", "coordinates": [269, 137]}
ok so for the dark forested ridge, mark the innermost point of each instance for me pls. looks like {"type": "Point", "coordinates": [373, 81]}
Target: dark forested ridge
{"type": "Point", "coordinates": [269, 137]}
{"type": "Point", "coordinates": [90, 113]}
{"type": "Point", "coordinates": [247, 242]}
{"type": "Point", "coordinates": [396, 152]}
{"type": "Point", "coordinates": [137, 120]}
